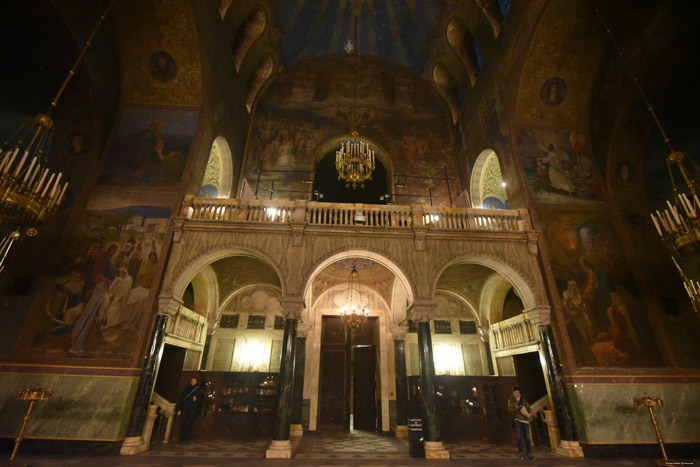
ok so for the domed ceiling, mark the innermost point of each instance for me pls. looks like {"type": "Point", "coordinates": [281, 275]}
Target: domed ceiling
{"type": "Point", "coordinates": [397, 31]}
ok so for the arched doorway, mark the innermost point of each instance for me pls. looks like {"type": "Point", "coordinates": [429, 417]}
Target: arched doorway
{"type": "Point", "coordinates": [327, 183]}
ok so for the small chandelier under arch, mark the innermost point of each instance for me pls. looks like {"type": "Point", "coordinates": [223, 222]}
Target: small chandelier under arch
{"type": "Point", "coordinates": [353, 314]}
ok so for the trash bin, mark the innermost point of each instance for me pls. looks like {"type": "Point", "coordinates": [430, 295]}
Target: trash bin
{"type": "Point", "coordinates": [415, 438]}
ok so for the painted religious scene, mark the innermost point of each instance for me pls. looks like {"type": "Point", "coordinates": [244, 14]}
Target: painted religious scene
{"type": "Point", "coordinates": [99, 300]}
{"type": "Point", "coordinates": [307, 111]}
{"type": "Point", "coordinates": [559, 166]}
{"type": "Point", "coordinates": [604, 317]}
{"type": "Point", "coordinates": [150, 147]}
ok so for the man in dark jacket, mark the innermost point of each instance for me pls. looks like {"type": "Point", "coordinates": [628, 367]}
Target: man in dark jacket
{"type": "Point", "coordinates": [190, 400]}
{"type": "Point", "coordinates": [520, 412]}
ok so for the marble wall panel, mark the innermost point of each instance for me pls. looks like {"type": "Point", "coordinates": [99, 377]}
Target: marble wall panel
{"type": "Point", "coordinates": [81, 408]}
{"type": "Point", "coordinates": [606, 413]}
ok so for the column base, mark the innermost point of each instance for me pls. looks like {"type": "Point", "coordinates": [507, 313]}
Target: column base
{"type": "Point", "coordinates": [133, 445]}
{"type": "Point", "coordinates": [401, 431]}
{"type": "Point", "coordinates": [296, 430]}
{"type": "Point", "coordinates": [436, 450]}
{"type": "Point", "coordinates": [279, 450]}
{"type": "Point", "coordinates": [569, 448]}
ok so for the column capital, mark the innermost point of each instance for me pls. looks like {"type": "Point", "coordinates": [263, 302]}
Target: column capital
{"type": "Point", "coordinates": [422, 310]}
{"type": "Point", "coordinates": [539, 315]}
{"type": "Point", "coordinates": [483, 333]}
{"type": "Point", "coordinates": [167, 305]}
{"type": "Point", "coordinates": [399, 332]}
{"type": "Point", "coordinates": [292, 307]}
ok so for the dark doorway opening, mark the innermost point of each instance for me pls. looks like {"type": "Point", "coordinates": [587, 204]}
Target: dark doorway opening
{"type": "Point", "coordinates": [169, 371]}
{"type": "Point", "coordinates": [334, 191]}
{"type": "Point", "coordinates": [530, 376]}
{"type": "Point", "coordinates": [364, 388]}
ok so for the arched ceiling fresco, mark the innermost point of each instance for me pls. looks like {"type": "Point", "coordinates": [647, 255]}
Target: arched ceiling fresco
{"type": "Point", "coordinates": [371, 274]}
{"type": "Point", "coordinates": [397, 31]}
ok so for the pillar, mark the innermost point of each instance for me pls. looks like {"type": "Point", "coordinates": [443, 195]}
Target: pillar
{"type": "Point", "coordinates": [298, 394]}
{"type": "Point", "coordinates": [484, 335]}
{"type": "Point", "coordinates": [562, 424]}
{"type": "Point", "coordinates": [134, 443]}
{"type": "Point", "coordinates": [401, 382]}
{"type": "Point", "coordinates": [281, 446]}
{"type": "Point", "coordinates": [434, 448]}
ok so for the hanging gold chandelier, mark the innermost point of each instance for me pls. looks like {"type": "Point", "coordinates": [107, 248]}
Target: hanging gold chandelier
{"type": "Point", "coordinates": [353, 314]}
{"type": "Point", "coordinates": [30, 190]}
{"type": "Point", "coordinates": [354, 162]}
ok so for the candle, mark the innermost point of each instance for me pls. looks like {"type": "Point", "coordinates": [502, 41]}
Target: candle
{"type": "Point", "coordinates": [693, 212]}
{"type": "Point", "coordinates": [55, 185]}
{"type": "Point", "coordinates": [21, 163]}
{"type": "Point", "coordinates": [663, 222]}
{"type": "Point", "coordinates": [673, 211]}
{"type": "Point", "coordinates": [12, 159]}
{"type": "Point", "coordinates": [63, 192]}
{"type": "Point", "coordinates": [41, 180]}
{"type": "Point", "coordinates": [48, 184]}
{"type": "Point", "coordinates": [31, 179]}
{"type": "Point", "coordinates": [656, 224]}
{"type": "Point", "coordinates": [670, 221]}
{"type": "Point", "coordinates": [29, 170]}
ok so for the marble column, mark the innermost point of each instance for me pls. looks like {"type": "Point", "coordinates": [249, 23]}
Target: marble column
{"type": "Point", "coordinates": [401, 383]}
{"type": "Point", "coordinates": [434, 448]}
{"type": "Point", "coordinates": [484, 335]}
{"type": "Point", "coordinates": [298, 394]}
{"type": "Point", "coordinates": [281, 446]}
{"type": "Point", "coordinates": [568, 445]}
{"type": "Point", "coordinates": [134, 443]}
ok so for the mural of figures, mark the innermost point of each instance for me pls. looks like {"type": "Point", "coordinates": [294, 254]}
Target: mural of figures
{"type": "Point", "coordinates": [150, 147]}
{"type": "Point", "coordinates": [101, 294]}
{"type": "Point", "coordinates": [310, 104]}
{"type": "Point", "coordinates": [605, 320]}
{"type": "Point", "coordinates": [559, 166]}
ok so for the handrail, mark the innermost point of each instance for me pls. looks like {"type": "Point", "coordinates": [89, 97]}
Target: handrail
{"type": "Point", "coordinates": [512, 332]}
{"type": "Point", "coordinates": [448, 219]}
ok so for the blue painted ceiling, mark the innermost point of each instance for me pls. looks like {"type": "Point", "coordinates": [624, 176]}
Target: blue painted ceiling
{"type": "Point", "coordinates": [397, 30]}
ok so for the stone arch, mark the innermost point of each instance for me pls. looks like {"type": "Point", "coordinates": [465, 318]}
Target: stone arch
{"type": "Point", "coordinates": [262, 72]}
{"type": "Point", "coordinates": [363, 289]}
{"type": "Point", "coordinates": [206, 292]}
{"type": "Point", "coordinates": [248, 32]}
{"type": "Point", "coordinates": [492, 298]}
{"type": "Point", "coordinates": [446, 85]}
{"type": "Point", "coordinates": [184, 276]}
{"type": "Point", "coordinates": [466, 302]}
{"type": "Point", "coordinates": [218, 176]}
{"type": "Point", "coordinates": [242, 290]}
{"type": "Point", "coordinates": [462, 43]}
{"type": "Point", "coordinates": [522, 285]}
{"type": "Point", "coordinates": [379, 257]}
{"type": "Point", "coordinates": [487, 178]}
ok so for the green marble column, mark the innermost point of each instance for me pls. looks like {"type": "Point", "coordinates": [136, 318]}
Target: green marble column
{"type": "Point", "coordinates": [299, 364]}
{"type": "Point", "coordinates": [283, 417]}
{"type": "Point", "coordinates": [562, 406]}
{"type": "Point", "coordinates": [401, 382]}
{"type": "Point", "coordinates": [431, 422]}
{"type": "Point", "coordinates": [148, 378]}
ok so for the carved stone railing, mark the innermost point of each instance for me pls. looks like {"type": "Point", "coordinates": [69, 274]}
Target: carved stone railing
{"type": "Point", "coordinates": [512, 332]}
{"type": "Point", "coordinates": [360, 215]}
{"type": "Point", "coordinates": [167, 408]}
{"type": "Point", "coordinates": [186, 324]}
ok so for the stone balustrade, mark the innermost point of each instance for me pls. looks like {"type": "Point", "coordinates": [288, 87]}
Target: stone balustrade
{"type": "Point", "coordinates": [186, 324]}
{"type": "Point", "coordinates": [348, 214]}
{"type": "Point", "coordinates": [512, 332]}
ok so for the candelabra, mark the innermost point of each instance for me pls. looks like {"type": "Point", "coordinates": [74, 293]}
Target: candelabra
{"type": "Point", "coordinates": [36, 393]}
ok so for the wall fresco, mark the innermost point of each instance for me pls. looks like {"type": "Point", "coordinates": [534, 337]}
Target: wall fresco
{"type": "Point", "coordinates": [313, 103]}
{"type": "Point", "coordinates": [150, 147]}
{"type": "Point", "coordinates": [559, 166]}
{"type": "Point", "coordinates": [605, 320]}
{"type": "Point", "coordinates": [99, 299]}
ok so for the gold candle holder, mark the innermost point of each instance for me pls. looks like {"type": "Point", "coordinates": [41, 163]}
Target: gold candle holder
{"type": "Point", "coordinates": [650, 403]}
{"type": "Point", "coordinates": [36, 393]}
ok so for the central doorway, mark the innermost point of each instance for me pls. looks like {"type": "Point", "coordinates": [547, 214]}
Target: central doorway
{"type": "Point", "coordinates": [348, 389]}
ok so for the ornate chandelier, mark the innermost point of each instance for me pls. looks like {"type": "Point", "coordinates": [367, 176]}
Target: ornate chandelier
{"type": "Point", "coordinates": [354, 162]}
{"type": "Point", "coordinates": [353, 314]}
{"type": "Point", "coordinates": [679, 224]}
{"type": "Point", "coordinates": [29, 189]}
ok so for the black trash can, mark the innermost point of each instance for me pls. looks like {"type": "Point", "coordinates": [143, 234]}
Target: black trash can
{"type": "Point", "coordinates": [415, 438]}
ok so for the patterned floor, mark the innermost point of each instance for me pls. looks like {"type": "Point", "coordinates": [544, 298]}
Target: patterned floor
{"type": "Point", "coordinates": [335, 448]}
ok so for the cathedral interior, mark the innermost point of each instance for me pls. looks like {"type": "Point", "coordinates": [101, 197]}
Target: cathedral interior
{"type": "Point", "coordinates": [501, 236]}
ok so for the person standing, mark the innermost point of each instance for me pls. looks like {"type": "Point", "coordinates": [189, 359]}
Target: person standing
{"type": "Point", "coordinates": [520, 411]}
{"type": "Point", "coordinates": [190, 400]}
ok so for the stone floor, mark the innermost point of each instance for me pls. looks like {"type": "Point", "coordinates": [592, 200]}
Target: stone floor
{"type": "Point", "coordinates": [326, 449]}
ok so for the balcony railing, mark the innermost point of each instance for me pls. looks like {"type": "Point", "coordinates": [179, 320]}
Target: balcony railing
{"type": "Point", "coordinates": [511, 332]}
{"type": "Point", "coordinates": [349, 215]}
{"type": "Point", "coordinates": [186, 324]}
